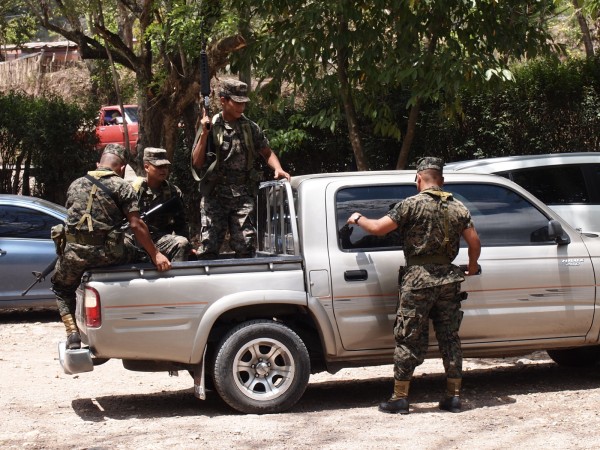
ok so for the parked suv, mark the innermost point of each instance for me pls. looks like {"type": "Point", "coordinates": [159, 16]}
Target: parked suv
{"type": "Point", "coordinates": [569, 183]}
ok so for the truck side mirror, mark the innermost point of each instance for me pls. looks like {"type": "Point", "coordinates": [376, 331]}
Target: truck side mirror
{"type": "Point", "coordinates": [556, 232]}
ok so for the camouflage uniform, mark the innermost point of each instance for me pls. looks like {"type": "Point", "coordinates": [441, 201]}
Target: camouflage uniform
{"type": "Point", "coordinates": [168, 227]}
{"type": "Point", "coordinates": [429, 290]}
{"type": "Point", "coordinates": [87, 249]}
{"type": "Point", "coordinates": [231, 205]}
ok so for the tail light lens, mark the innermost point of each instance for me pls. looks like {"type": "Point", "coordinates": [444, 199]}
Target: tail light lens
{"type": "Point", "coordinates": [91, 302]}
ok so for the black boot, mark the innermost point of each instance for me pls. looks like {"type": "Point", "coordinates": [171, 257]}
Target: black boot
{"type": "Point", "coordinates": [398, 403]}
{"type": "Point", "coordinates": [451, 404]}
{"type": "Point", "coordinates": [452, 401]}
{"type": "Point", "coordinates": [74, 341]}
{"type": "Point", "coordinates": [73, 337]}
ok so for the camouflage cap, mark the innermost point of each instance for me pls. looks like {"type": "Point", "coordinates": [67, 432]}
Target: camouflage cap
{"type": "Point", "coordinates": [235, 90]}
{"type": "Point", "coordinates": [119, 150]}
{"type": "Point", "coordinates": [156, 156]}
{"type": "Point", "coordinates": [430, 162]}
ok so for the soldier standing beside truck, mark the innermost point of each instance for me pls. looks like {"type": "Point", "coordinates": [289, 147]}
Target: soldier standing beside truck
{"type": "Point", "coordinates": [97, 205]}
{"type": "Point", "coordinates": [227, 150]}
{"type": "Point", "coordinates": [431, 223]}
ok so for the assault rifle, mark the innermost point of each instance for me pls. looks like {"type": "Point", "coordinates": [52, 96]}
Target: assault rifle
{"type": "Point", "coordinates": [41, 276]}
{"type": "Point", "coordinates": [205, 83]}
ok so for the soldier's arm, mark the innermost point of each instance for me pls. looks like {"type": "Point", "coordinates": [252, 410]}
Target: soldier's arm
{"type": "Point", "coordinates": [472, 239]}
{"type": "Point", "coordinates": [378, 227]}
{"type": "Point", "coordinates": [142, 235]}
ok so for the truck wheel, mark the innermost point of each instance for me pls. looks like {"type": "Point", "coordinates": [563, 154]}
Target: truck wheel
{"type": "Point", "coordinates": [576, 357]}
{"type": "Point", "coordinates": [261, 366]}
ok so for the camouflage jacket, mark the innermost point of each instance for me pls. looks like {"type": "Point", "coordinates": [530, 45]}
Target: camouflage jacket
{"type": "Point", "coordinates": [170, 219]}
{"type": "Point", "coordinates": [233, 154]}
{"type": "Point", "coordinates": [421, 221]}
{"type": "Point", "coordinates": [106, 212]}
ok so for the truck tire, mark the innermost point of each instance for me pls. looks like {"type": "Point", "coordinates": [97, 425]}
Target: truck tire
{"type": "Point", "coordinates": [261, 366]}
{"type": "Point", "coordinates": [576, 357]}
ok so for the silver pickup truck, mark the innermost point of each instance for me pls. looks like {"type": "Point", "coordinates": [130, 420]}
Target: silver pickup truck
{"type": "Point", "coordinates": [321, 296]}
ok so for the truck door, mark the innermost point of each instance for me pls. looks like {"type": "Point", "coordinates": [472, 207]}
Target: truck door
{"type": "Point", "coordinates": [530, 288]}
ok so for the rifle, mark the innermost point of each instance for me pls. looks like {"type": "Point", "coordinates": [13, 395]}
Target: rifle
{"type": "Point", "coordinates": [41, 276]}
{"type": "Point", "coordinates": [205, 82]}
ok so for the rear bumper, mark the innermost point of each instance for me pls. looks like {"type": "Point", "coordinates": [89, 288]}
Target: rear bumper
{"type": "Point", "coordinates": [75, 361]}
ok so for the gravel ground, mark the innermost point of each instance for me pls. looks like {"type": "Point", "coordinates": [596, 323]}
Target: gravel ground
{"type": "Point", "coordinates": [512, 402]}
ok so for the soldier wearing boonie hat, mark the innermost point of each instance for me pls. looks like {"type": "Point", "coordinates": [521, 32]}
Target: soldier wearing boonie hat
{"type": "Point", "coordinates": [431, 225]}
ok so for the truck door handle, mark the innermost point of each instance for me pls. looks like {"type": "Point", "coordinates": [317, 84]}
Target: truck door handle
{"type": "Point", "coordinates": [2, 252]}
{"type": "Point", "coordinates": [355, 275]}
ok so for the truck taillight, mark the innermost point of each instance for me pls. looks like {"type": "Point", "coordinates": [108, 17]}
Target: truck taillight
{"type": "Point", "coordinates": [91, 302]}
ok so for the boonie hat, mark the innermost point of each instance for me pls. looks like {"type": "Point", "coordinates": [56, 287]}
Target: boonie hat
{"type": "Point", "coordinates": [235, 90]}
{"type": "Point", "coordinates": [430, 162]}
{"type": "Point", "coordinates": [156, 156]}
{"type": "Point", "coordinates": [119, 150]}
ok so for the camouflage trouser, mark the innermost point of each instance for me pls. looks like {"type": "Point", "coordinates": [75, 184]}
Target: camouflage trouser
{"type": "Point", "coordinates": [173, 246]}
{"type": "Point", "coordinates": [220, 214]}
{"type": "Point", "coordinates": [441, 304]}
{"type": "Point", "coordinates": [75, 260]}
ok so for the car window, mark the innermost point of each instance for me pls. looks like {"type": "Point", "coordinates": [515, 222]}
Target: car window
{"type": "Point", "coordinates": [554, 185]}
{"type": "Point", "coordinates": [20, 222]}
{"type": "Point", "coordinates": [502, 217]}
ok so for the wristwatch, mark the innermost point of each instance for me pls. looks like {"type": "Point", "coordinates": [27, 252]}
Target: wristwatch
{"type": "Point", "coordinates": [357, 218]}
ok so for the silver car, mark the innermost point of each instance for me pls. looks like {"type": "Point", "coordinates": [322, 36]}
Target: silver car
{"type": "Point", "coordinates": [569, 183]}
{"type": "Point", "coordinates": [26, 247]}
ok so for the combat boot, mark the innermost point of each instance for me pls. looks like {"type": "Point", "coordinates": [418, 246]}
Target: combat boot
{"type": "Point", "coordinates": [73, 337]}
{"type": "Point", "coordinates": [452, 401]}
{"type": "Point", "coordinates": [398, 402]}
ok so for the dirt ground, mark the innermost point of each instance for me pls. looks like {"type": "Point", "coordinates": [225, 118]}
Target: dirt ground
{"type": "Point", "coordinates": [513, 402]}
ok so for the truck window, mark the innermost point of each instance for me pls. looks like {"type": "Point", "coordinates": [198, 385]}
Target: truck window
{"type": "Point", "coordinates": [374, 202]}
{"type": "Point", "coordinates": [502, 217]}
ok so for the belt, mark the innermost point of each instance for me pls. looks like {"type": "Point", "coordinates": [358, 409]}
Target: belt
{"type": "Point", "coordinates": [86, 239]}
{"type": "Point", "coordinates": [420, 260]}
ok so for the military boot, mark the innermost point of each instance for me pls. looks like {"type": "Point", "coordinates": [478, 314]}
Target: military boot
{"type": "Point", "coordinates": [452, 400]}
{"type": "Point", "coordinates": [398, 402]}
{"type": "Point", "coordinates": [73, 337]}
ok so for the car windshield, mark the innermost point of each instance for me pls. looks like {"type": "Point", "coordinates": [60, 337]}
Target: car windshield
{"type": "Point", "coordinates": [132, 114]}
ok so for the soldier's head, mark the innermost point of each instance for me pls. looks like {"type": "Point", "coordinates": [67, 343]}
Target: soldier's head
{"type": "Point", "coordinates": [115, 157]}
{"type": "Point", "coordinates": [156, 165]}
{"type": "Point", "coordinates": [430, 172]}
{"type": "Point", "coordinates": [234, 96]}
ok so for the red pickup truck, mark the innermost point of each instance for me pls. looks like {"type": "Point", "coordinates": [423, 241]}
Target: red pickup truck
{"type": "Point", "coordinates": [110, 129]}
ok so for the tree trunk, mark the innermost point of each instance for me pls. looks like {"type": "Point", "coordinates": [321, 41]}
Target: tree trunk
{"type": "Point", "coordinates": [585, 30]}
{"type": "Point", "coordinates": [348, 102]}
{"type": "Point", "coordinates": [411, 129]}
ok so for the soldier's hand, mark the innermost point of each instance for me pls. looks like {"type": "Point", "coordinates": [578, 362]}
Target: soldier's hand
{"type": "Point", "coordinates": [281, 174]}
{"type": "Point", "coordinates": [205, 121]}
{"type": "Point", "coordinates": [161, 262]}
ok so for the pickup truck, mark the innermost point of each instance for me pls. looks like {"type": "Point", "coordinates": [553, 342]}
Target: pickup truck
{"type": "Point", "coordinates": [110, 128]}
{"type": "Point", "coordinates": [321, 296]}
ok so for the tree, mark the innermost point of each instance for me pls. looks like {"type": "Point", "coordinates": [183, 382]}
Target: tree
{"type": "Point", "coordinates": [164, 57]}
{"type": "Point", "coordinates": [362, 49]}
